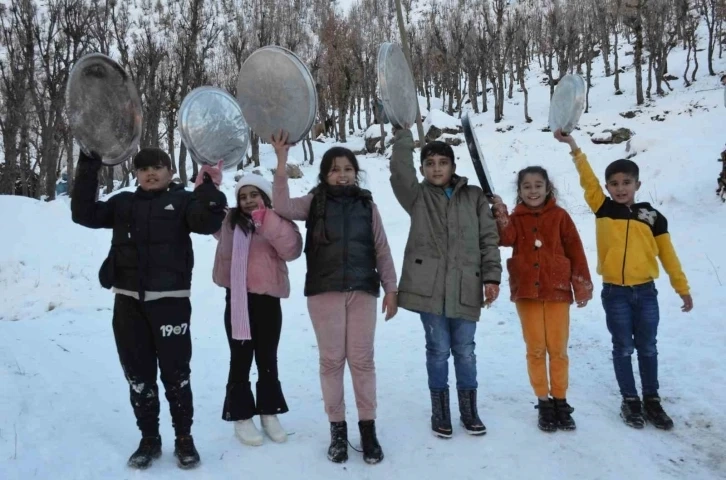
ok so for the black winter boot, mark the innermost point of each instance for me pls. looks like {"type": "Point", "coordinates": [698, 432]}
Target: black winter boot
{"type": "Point", "coordinates": [469, 413]}
{"type": "Point", "coordinates": [185, 452]}
{"type": "Point", "coordinates": [441, 413]}
{"type": "Point", "coordinates": [338, 449]}
{"type": "Point", "coordinates": [372, 452]}
{"type": "Point", "coordinates": [547, 421]}
{"type": "Point", "coordinates": [563, 413]}
{"type": "Point", "coordinates": [149, 450]}
{"type": "Point", "coordinates": [631, 411]}
{"type": "Point", "coordinates": [655, 414]}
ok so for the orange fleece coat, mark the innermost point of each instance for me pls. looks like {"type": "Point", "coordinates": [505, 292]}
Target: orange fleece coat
{"type": "Point", "coordinates": [548, 262]}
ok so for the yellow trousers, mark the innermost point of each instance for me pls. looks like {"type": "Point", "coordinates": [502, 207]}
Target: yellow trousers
{"type": "Point", "coordinates": [546, 330]}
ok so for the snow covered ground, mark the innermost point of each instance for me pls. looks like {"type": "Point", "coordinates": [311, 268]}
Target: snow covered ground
{"type": "Point", "coordinates": [64, 408]}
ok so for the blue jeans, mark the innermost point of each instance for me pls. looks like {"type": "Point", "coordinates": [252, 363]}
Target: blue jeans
{"type": "Point", "coordinates": [632, 317]}
{"type": "Point", "coordinates": [444, 336]}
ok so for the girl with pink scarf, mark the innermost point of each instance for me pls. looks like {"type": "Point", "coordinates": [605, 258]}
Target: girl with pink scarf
{"type": "Point", "coordinates": [254, 246]}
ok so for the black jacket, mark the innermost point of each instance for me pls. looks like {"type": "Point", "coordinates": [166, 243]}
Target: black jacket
{"type": "Point", "coordinates": [345, 260]}
{"type": "Point", "coordinates": [151, 247]}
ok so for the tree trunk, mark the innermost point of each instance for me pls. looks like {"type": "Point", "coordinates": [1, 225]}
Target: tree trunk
{"type": "Point", "coordinates": [524, 89]}
{"type": "Point", "coordinates": [499, 116]}
{"type": "Point", "coordinates": [70, 170]}
{"type": "Point", "coordinates": [637, 60]}
{"type": "Point", "coordinates": [360, 127]}
{"type": "Point", "coordinates": [510, 93]}
{"type": "Point", "coordinates": [694, 41]}
{"type": "Point", "coordinates": [473, 94]}
{"type": "Point", "coordinates": [255, 150]}
{"type": "Point", "coordinates": [650, 75]}
{"type": "Point", "coordinates": [341, 121]}
{"type": "Point", "coordinates": [550, 56]}
{"type": "Point", "coordinates": [588, 78]}
{"type": "Point", "coordinates": [484, 103]}
{"type": "Point", "coordinates": [170, 122]}
{"type": "Point", "coordinates": [10, 146]}
{"type": "Point", "coordinates": [305, 148]}
{"type": "Point", "coordinates": [428, 96]}
{"type": "Point", "coordinates": [183, 164]}
{"type": "Point", "coordinates": [310, 150]}
{"type": "Point", "coordinates": [24, 147]}
{"type": "Point", "coordinates": [616, 82]}
{"type": "Point", "coordinates": [605, 43]}
{"type": "Point", "coordinates": [351, 117]}
{"type": "Point", "coordinates": [688, 61]}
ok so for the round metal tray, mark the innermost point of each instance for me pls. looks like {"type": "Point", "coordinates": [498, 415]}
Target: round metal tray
{"type": "Point", "coordinates": [103, 108]}
{"type": "Point", "coordinates": [213, 128]}
{"type": "Point", "coordinates": [567, 103]}
{"type": "Point", "coordinates": [396, 85]}
{"type": "Point", "coordinates": [277, 92]}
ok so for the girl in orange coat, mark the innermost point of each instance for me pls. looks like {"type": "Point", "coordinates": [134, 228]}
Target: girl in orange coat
{"type": "Point", "coordinates": [548, 264]}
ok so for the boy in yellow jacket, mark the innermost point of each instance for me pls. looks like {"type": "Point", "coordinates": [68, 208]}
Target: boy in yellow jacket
{"type": "Point", "coordinates": [630, 236]}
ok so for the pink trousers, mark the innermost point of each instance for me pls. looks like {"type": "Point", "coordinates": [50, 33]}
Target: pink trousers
{"type": "Point", "coordinates": [345, 326]}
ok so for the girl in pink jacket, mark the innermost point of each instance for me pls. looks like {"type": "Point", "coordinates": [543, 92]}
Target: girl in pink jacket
{"type": "Point", "coordinates": [348, 259]}
{"type": "Point", "coordinates": [254, 245]}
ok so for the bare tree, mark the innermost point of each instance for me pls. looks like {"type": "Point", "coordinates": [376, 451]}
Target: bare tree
{"type": "Point", "coordinates": [708, 12]}
{"type": "Point", "coordinates": [13, 94]}
{"type": "Point", "coordinates": [633, 18]}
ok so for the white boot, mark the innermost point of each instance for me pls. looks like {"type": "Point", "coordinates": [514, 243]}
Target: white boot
{"type": "Point", "coordinates": [247, 432]}
{"type": "Point", "coordinates": [273, 429]}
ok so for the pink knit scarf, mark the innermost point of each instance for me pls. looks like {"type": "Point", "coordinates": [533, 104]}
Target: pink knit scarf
{"type": "Point", "coordinates": [240, 312]}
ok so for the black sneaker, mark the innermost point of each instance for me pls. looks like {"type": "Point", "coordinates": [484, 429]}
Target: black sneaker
{"type": "Point", "coordinates": [185, 452]}
{"type": "Point", "coordinates": [655, 414]}
{"type": "Point", "coordinates": [338, 449]}
{"type": "Point", "coordinates": [562, 412]}
{"type": "Point", "coordinates": [631, 411]}
{"type": "Point", "coordinates": [372, 451]}
{"type": "Point", "coordinates": [149, 450]}
{"type": "Point", "coordinates": [547, 421]}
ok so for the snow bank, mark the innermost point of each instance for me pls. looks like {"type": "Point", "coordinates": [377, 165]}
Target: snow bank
{"type": "Point", "coordinates": [440, 120]}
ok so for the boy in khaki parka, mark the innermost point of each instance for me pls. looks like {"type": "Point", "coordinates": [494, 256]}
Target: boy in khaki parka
{"type": "Point", "coordinates": [451, 268]}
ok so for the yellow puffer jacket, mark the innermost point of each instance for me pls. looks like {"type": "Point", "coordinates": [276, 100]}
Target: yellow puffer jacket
{"type": "Point", "coordinates": [629, 238]}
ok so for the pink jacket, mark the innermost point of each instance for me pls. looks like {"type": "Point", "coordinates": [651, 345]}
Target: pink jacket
{"type": "Point", "coordinates": [276, 242]}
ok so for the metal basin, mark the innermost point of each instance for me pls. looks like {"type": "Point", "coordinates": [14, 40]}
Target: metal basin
{"type": "Point", "coordinates": [103, 108]}
{"type": "Point", "coordinates": [277, 92]}
{"type": "Point", "coordinates": [567, 103]}
{"type": "Point", "coordinates": [213, 128]}
{"type": "Point", "coordinates": [396, 86]}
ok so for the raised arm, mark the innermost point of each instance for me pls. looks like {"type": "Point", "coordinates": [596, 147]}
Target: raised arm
{"type": "Point", "coordinates": [290, 208]}
{"type": "Point", "coordinates": [594, 195]}
{"type": "Point", "coordinates": [85, 209]}
{"type": "Point", "coordinates": [404, 182]}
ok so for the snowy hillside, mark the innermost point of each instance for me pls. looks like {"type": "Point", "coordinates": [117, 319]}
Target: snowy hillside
{"type": "Point", "coordinates": [64, 408]}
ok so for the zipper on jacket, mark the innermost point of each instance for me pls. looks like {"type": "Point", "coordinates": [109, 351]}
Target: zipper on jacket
{"type": "Point", "coordinates": [346, 221]}
{"type": "Point", "coordinates": [625, 252]}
